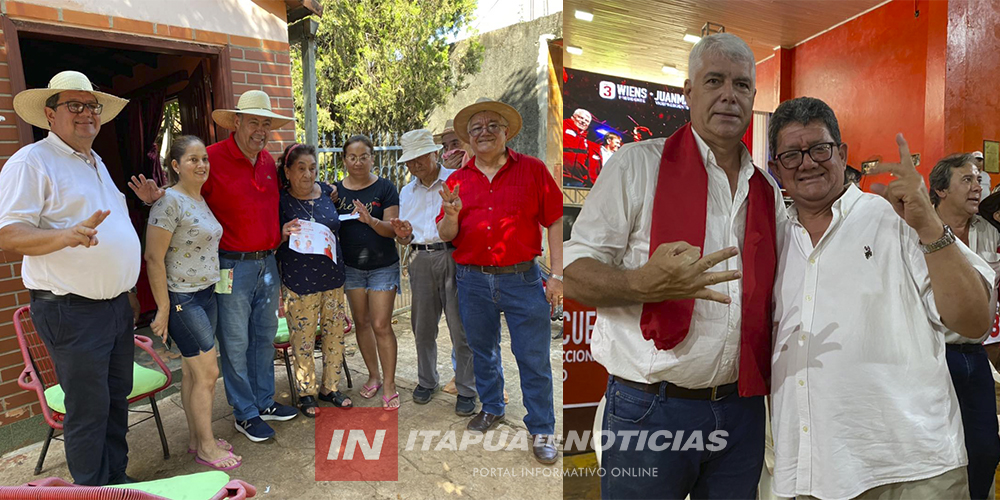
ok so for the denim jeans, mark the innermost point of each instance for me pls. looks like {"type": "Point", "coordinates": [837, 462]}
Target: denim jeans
{"type": "Point", "coordinates": [973, 380]}
{"type": "Point", "coordinates": [92, 347]}
{"type": "Point", "coordinates": [248, 321]}
{"type": "Point", "coordinates": [727, 463]}
{"type": "Point", "coordinates": [193, 320]}
{"type": "Point", "coordinates": [481, 299]}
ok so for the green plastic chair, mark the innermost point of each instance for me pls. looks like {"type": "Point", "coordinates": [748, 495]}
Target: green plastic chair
{"type": "Point", "coordinates": [39, 375]}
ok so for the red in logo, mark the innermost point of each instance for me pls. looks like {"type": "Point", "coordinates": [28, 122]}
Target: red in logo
{"type": "Point", "coordinates": [360, 444]}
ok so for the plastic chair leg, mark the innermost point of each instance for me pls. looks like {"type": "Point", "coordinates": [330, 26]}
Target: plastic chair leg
{"type": "Point", "coordinates": [291, 379]}
{"type": "Point", "coordinates": [159, 427]}
{"type": "Point", "coordinates": [347, 371]}
{"type": "Point", "coordinates": [45, 450]}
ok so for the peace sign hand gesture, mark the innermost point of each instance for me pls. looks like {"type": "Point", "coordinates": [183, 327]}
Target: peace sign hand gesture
{"type": "Point", "coordinates": [908, 194]}
{"type": "Point", "coordinates": [452, 203]}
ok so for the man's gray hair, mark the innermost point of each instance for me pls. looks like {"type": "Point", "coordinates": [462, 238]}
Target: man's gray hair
{"type": "Point", "coordinates": [727, 45]}
{"type": "Point", "coordinates": [584, 112]}
{"type": "Point", "coordinates": [940, 176]}
{"type": "Point", "coordinates": [802, 110]}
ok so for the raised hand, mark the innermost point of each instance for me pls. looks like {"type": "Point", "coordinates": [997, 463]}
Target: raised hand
{"type": "Point", "coordinates": [402, 228]}
{"type": "Point", "coordinates": [908, 194]}
{"type": "Point", "coordinates": [146, 189]}
{"type": "Point", "coordinates": [363, 215]}
{"type": "Point", "coordinates": [85, 233]}
{"type": "Point", "coordinates": [675, 271]}
{"type": "Point", "coordinates": [453, 159]}
{"type": "Point", "coordinates": [451, 203]}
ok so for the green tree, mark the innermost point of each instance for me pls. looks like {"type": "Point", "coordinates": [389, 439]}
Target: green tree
{"type": "Point", "coordinates": [383, 65]}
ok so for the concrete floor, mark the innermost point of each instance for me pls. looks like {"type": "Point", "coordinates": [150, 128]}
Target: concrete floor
{"type": "Point", "coordinates": [283, 467]}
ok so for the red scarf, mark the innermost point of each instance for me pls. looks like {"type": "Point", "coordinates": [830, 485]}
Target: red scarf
{"type": "Point", "coordinates": [679, 207]}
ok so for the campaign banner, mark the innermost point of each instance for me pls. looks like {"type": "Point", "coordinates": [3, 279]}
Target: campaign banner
{"type": "Point", "coordinates": [584, 379]}
{"type": "Point", "coordinates": [602, 112]}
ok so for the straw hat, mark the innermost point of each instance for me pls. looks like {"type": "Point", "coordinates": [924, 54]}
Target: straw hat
{"type": "Point", "coordinates": [417, 143]}
{"type": "Point", "coordinates": [510, 114]}
{"type": "Point", "coordinates": [30, 104]}
{"type": "Point", "coordinates": [252, 102]}
{"type": "Point", "coordinates": [449, 128]}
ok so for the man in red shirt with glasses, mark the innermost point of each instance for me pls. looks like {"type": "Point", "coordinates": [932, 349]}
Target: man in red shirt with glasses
{"type": "Point", "coordinates": [494, 209]}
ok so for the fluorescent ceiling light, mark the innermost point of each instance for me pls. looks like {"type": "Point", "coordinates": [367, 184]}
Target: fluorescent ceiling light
{"type": "Point", "coordinates": [576, 51]}
{"type": "Point", "coordinates": [688, 37]}
{"type": "Point", "coordinates": [584, 16]}
{"type": "Point", "coordinates": [670, 69]}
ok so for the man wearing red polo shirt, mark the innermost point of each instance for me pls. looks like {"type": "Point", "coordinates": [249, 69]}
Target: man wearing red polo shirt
{"type": "Point", "coordinates": [494, 209]}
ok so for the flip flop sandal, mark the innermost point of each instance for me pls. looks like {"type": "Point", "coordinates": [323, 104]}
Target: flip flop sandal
{"type": "Point", "coordinates": [370, 390]}
{"type": "Point", "coordinates": [390, 408]}
{"type": "Point", "coordinates": [221, 443]}
{"type": "Point", "coordinates": [306, 402]}
{"type": "Point", "coordinates": [213, 464]}
{"type": "Point", "coordinates": [337, 398]}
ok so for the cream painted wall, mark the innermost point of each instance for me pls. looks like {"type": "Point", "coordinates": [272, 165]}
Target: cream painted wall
{"type": "Point", "coordinates": [233, 17]}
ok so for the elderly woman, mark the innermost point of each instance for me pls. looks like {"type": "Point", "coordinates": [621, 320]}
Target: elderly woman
{"type": "Point", "coordinates": [311, 282]}
{"type": "Point", "coordinates": [182, 261]}
{"type": "Point", "coordinates": [372, 264]}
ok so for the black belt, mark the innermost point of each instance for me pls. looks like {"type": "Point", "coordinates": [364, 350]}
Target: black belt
{"type": "Point", "coordinates": [676, 391]}
{"type": "Point", "coordinates": [245, 255]}
{"type": "Point", "coordinates": [965, 348]}
{"type": "Point", "coordinates": [516, 268]}
{"type": "Point", "coordinates": [66, 299]}
{"type": "Point", "coordinates": [433, 246]}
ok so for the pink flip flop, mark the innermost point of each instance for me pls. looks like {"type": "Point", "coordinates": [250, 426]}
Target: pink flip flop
{"type": "Point", "coordinates": [212, 464]}
{"type": "Point", "coordinates": [221, 443]}
{"type": "Point", "coordinates": [373, 390]}
{"type": "Point", "coordinates": [390, 408]}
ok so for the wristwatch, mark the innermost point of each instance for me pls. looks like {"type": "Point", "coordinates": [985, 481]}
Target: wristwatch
{"type": "Point", "coordinates": [557, 276]}
{"type": "Point", "coordinates": [946, 239]}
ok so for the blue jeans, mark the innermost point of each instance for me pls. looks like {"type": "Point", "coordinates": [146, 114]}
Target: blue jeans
{"type": "Point", "coordinates": [248, 321]}
{"type": "Point", "coordinates": [973, 380]}
{"type": "Point", "coordinates": [382, 279]}
{"type": "Point", "coordinates": [481, 299]}
{"type": "Point", "coordinates": [193, 317]}
{"type": "Point", "coordinates": [726, 466]}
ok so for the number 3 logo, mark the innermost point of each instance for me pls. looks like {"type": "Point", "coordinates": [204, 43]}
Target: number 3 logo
{"type": "Point", "coordinates": [607, 90]}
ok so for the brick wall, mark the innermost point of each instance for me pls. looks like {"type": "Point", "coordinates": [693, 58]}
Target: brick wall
{"type": "Point", "coordinates": [256, 65]}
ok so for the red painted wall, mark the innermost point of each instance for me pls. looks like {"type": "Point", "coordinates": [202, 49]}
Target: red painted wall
{"type": "Point", "coordinates": [882, 73]}
{"type": "Point", "coordinates": [767, 86]}
{"type": "Point", "coordinates": [873, 72]}
{"type": "Point", "coordinates": [972, 93]}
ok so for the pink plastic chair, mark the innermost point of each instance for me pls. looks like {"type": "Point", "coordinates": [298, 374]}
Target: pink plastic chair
{"type": "Point", "coordinates": [53, 488]}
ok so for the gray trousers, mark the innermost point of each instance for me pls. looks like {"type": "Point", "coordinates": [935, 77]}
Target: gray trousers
{"type": "Point", "coordinates": [432, 282]}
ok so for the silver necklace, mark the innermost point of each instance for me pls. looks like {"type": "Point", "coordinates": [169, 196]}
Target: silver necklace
{"type": "Point", "coordinates": [312, 206]}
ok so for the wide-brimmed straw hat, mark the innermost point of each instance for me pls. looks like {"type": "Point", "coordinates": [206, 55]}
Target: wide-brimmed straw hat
{"type": "Point", "coordinates": [484, 104]}
{"type": "Point", "coordinates": [989, 206]}
{"type": "Point", "coordinates": [449, 128]}
{"type": "Point", "coordinates": [30, 104]}
{"type": "Point", "coordinates": [417, 143]}
{"type": "Point", "coordinates": [252, 102]}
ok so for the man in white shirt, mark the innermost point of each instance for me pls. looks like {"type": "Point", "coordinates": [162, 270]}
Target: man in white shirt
{"type": "Point", "coordinates": [432, 271]}
{"type": "Point", "coordinates": [675, 372]}
{"type": "Point", "coordinates": [61, 210]}
{"type": "Point", "coordinates": [862, 402]}
{"type": "Point", "coordinates": [955, 192]}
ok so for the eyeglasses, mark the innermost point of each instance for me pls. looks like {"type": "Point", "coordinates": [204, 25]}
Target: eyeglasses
{"type": "Point", "coordinates": [493, 128]}
{"type": "Point", "coordinates": [76, 107]}
{"type": "Point", "coordinates": [818, 152]}
{"type": "Point", "coordinates": [356, 159]}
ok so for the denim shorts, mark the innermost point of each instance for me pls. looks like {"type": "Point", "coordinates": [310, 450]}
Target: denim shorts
{"type": "Point", "coordinates": [193, 318]}
{"type": "Point", "coordinates": [383, 279]}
